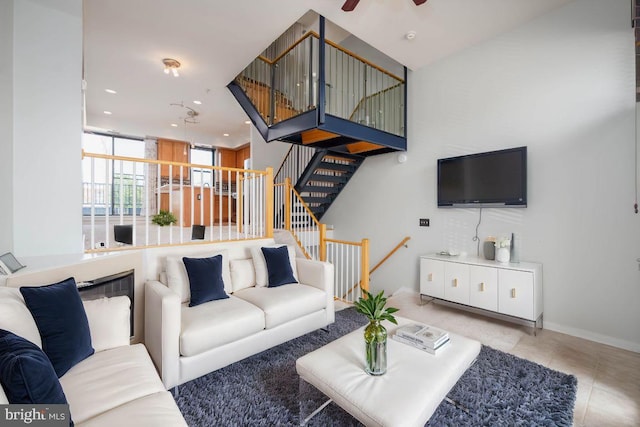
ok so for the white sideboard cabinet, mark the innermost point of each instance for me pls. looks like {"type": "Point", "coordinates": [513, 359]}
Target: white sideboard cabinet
{"type": "Point", "coordinates": [513, 290]}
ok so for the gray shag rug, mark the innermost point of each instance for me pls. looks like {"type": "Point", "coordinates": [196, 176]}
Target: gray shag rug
{"type": "Point", "coordinates": [262, 390]}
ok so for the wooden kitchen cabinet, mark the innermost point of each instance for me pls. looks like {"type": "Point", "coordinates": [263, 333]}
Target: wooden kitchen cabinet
{"type": "Point", "coordinates": [173, 151]}
{"type": "Point", "coordinates": [241, 155]}
{"type": "Point", "coordinates": [202, 206]}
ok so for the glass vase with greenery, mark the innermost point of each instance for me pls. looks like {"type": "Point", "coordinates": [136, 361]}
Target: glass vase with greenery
{"type": "Point", "coordinates": [375, 334]}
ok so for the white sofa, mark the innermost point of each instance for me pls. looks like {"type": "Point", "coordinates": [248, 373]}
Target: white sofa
{"type": "Point", "coordinates": [188, 342]}
{"type": "Point", "coordinates": [118, 384]}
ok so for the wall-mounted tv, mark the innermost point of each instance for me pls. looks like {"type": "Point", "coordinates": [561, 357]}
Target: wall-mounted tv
{"type": "Point", "coordinates": [491, 179]}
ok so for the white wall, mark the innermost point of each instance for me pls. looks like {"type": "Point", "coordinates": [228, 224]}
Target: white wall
{"type": "Point", "coordinates": [6, 126]}
{"type": "Point", "coordinates": [47, 127]}
{"type": "Point", "coordinates": [266, 154]}
{"type": "Point", "coordinates": [563, 85]}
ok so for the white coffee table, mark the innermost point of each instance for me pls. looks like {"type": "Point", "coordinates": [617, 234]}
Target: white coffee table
{"type": "Point", "coordinates": [407, 395]}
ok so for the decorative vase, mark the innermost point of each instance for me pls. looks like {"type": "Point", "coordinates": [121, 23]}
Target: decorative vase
{"type": "Point", "coordinates": [503, 255]}
{"type": "Point", "coordinates": [513, 255]}
{"type": "Point", "coordinates": [375, 340]}
{"type": "Point", "coordinates": [489, 250]}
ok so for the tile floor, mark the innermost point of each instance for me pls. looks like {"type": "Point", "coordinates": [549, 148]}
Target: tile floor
{"type": "Point", "coordinates": [608, 377]}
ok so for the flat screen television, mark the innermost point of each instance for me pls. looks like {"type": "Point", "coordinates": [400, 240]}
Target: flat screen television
{"type": "Point", "coordinates": [490, 179]}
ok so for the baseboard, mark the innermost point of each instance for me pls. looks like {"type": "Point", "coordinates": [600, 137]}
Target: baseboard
{"type": "Point", "coordinates": [405, 290]}
{"type": "Point", "coordinates": [593, 336]}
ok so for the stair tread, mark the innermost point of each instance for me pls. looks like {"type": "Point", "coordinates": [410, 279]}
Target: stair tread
{"type": "Point", "coordinates": [336, 167]}
{"type": "Point", "coordinates": [320, 189]}
{"type": "Point", "coordinates": [316, 199]}
{"type": "Point", "coordinates": [327, 178]}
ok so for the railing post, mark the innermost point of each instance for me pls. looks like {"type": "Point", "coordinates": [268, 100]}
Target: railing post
{"type": "Point", "coordinates": [365, 264]}
{"type": "Point", "coordinates": [287, 204]}
{"type": "Point", "coordinates": [322, 241]}
{"type": "Point", "coordinates": [239, 202]}
{"type": "Point", "coordinates": [269, 203]}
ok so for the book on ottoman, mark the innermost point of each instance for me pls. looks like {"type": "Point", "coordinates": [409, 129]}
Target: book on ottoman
{"type": "Point", "coordinates": [419, 346]}
{"type": "Point", "coordinates": [423, 335]}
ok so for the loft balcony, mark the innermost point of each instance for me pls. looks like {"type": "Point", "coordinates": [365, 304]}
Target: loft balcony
{"type": "Point", "coordinates": [311, 91]}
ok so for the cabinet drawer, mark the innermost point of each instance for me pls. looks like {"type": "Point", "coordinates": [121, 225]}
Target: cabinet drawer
{"type": "Point", "coordinates": [456, 282]}
{"type": "Point", "coordinates": [483, 287]}
{"type": "Point", "coordinates": [432, 278]}
{"type": "Point", "coordinates": [515, 294]}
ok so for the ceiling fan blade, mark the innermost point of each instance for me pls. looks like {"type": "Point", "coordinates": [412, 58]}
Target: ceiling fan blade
{"type": "Point", "coordinates": [419, 2]}
{"type": "Point", "coordinates": [349, 5]}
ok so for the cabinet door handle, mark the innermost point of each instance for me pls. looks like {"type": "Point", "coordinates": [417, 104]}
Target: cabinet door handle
{"type": "Point", "coordinates": [513, 292]}
{"type": "Point", "coordinates": [481, 286]}
{"type": "Point", "coordinates": [455, 283]}
{"type": "Point", "coordinates": [430, 277]}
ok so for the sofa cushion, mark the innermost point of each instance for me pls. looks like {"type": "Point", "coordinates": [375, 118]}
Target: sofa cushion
{"type": "Point", "coordinates": [178, 280]}
{"type": "Point", "coordinates": [26, 373]}
{"type": "Point", "coordinates": [243, 274]}
{"type": "Point", "coordinates": [62, 322]}
{"type": "Point", "coordinates": [279, 270]}
{"type": "Point", "coordinates": [260, 265]}
{"type": "Point", "coordinates": [109, 379]}
{"type": "Point", "coordinates": [205, 279]}
{"type": "Point", "coordinates": [109, 322]}
{"type": "Point", "coordinates": [217, 323]}
{"type": "Point", "coordinates": [284, 303]}
{"type": "Point", "coordinates": [158, 409]}
{"type": "Point", "coordinates": [16, 317]}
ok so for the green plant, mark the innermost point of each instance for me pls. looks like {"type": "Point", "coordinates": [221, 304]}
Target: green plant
{"type": "Point", "coordinates": [164, 218]}
{"type": "Point", "coordinates": [374, 307]}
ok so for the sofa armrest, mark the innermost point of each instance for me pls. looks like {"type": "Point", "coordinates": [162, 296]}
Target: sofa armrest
{"type": "Point", "coordinates": [162, 330]}
{"type": "Point", "coordinates": [319, 275]}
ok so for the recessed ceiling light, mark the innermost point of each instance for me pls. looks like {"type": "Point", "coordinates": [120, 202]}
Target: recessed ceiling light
{"type": "Point", "coordinates": [247, 122]}
{"type": "Point", "coordinates": [110, 91]}
{"type": "Point", "coordinates": [108, 113]}
{"type": "Point", "coordinates": [225, 134]}
{"type": "Point", "coordinates": [410, 35]}
{"type": "Point", "coordinates": [174, 125]}
{"type": "Point", "coordinates": [197, 102]}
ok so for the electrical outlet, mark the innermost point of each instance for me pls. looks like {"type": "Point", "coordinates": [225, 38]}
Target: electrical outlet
{"type": "Point", "coordinates": [424, 222]}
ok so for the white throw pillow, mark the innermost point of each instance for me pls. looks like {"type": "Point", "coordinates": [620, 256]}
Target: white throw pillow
{"type": "Point", "coordinates": [260, 265]}
{"type": "Point", "coordinates": [242, 274]}
{"type": "Point", "coordinates": [108, 322]}
{"type": "Point", "coordinates": [15, 316]}
{"type": "Point", "coordinates": [178, 279]}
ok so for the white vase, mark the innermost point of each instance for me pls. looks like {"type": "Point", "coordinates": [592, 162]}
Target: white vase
{"type": "Point", "coordinates": [503, 255]}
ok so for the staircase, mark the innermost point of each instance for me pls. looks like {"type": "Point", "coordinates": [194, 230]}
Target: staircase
{"type": "Point", "coordinates": [325, 176]}
{"type": "Point", "coordinates": [315, 94]}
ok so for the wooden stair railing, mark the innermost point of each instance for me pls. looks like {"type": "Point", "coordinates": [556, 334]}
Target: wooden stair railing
{"type": "Point", "coordinates": [382, 261]}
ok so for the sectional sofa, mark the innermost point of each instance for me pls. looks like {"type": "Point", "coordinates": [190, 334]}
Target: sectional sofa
{"type": "Point", "coordinates": [117, 385]}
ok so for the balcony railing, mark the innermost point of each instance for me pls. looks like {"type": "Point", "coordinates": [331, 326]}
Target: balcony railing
{"type": "Point", "coordinates": [355, 89]}
{"type": "Point", "coordinates": [235, 207]}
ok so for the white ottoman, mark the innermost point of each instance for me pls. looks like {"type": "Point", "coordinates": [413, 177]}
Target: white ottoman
{"type": "Point", "coordinates": [407, 395]}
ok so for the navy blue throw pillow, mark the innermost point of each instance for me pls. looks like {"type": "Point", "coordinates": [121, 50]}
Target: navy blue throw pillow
{"type": "Point", "coordinates": [278, 266]}
{"type": "Point", "coordinates": [62, 323]}
{"type": "Point", "coordinates": [205, 279]}
{"type": "Point", "coordinates": [26, 373]}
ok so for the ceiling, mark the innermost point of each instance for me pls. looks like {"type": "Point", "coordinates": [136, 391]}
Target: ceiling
{"type": "Point", "coordinates": [125, 42]}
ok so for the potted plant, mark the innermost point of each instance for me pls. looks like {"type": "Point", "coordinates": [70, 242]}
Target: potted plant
{"type": "Point", "coordinates": [164, 218]}
{"type": "Point", "coordinates": [375, 334]}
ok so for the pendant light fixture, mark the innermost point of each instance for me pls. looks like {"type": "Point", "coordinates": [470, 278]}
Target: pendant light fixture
{"type": "Point", "coordinates": [171, 66]}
